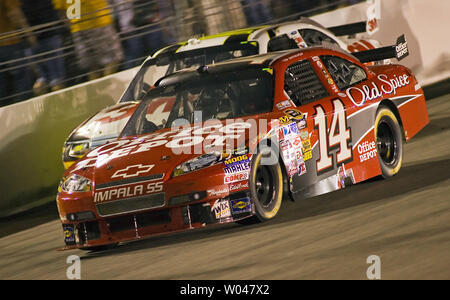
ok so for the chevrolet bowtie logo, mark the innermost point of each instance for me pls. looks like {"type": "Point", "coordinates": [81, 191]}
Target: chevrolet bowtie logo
{"type": "Point", "coordinates": [132, 171]}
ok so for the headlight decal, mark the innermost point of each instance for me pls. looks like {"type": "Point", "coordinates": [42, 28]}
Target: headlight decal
{"type": "Point", "coordinates": [76, 183]}
{"type": "Point", "coordinates": [198, 163]}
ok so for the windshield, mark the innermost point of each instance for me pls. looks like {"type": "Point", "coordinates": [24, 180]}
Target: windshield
{"type": "Point", "coordinates": [202, 98]}
{"type": "Point", "coordinates": [167, 63]}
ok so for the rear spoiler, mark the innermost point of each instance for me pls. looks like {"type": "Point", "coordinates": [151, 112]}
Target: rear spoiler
{"type": "Point", "coordinates": [399, 51]}
{"type": "Point", "coordinates": [348, 29]}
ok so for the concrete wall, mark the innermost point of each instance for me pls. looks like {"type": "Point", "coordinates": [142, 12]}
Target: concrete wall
{"type": "Point", "coordinates": [33, 133]}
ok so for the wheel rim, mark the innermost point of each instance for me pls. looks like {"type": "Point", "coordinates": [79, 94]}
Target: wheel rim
{"type": "Point", "coordinates": [264, 186]}
{"type": "Point", "coordinates": [386, 143]}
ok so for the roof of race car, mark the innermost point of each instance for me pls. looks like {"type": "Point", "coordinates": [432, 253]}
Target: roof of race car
{"type": "Point", "coordinates": [235, 36]}
{"type": "Point", "coordinates": [260, 61]}
{"type": "Point", "coordinates": [249, 62]}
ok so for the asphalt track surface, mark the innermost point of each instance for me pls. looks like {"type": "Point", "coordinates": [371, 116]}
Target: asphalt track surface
{"type": "Point", "coordinates": [404, 220]}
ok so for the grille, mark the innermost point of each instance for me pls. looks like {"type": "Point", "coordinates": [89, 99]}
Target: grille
{"type": "Point", "coordinates": [131, 205]}
{"type": "Point", "coordinates": [302, 83]}
{"type": "Point", "coordinates": [122, 223]}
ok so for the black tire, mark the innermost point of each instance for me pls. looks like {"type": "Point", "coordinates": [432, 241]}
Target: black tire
{"type": "Point", "coordinates": [266, 185]}
{"type": "Point", "coordinates": [389, 141]}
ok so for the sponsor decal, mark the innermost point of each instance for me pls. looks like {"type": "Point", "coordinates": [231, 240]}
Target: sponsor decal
{"type": "Point", "coordinates": [285, 120]}
{"type": "Point", "coordinates": [283, 105]}
{"type": "Point", "coordinates": [301, 124]}
{"type": "Point", "coordinates": [304, 135]}
{"type": "Point", "coordinates": [280, 133]}
{"type": "Point", "coordinates": [132, 171]}
{"type": "Point", "coordinates": [239, 186]}
{"type": "Point", "coordinates": [69, 235]}
{"type": "Point", "coordinates": [232, 178]}
{"type": "Point", "coordinates": [306, 145]}
{"type": "Point", "coordinates": [294, 114]}
{"type": "Point", "coordinates": [402, 48]}
{"type": "Point", "coordinates": [307, 155]}
{"type": "Point", "coordinates": [237, 167]}
{"type": "Point", "coordinates": [241, 206]}
{"type": "Point", "coordinates": [302, 169]}
{"type": "Point", "coordinates": [367, 151]}
{"type": "Point", "coordinates": [290, 129]}
{"type": "Point", "coordinates": [220, 192]}
{"type": "Point", "coordinates": [237, 164]}
{"type": "Point", "coordinates": [221, 209]}
{"type": "Point", "coordinates": [297, 141]}
{"type": "Point", "coordinates": [359, 96]}
{"type": "Point", "coordinates": [127, 191]}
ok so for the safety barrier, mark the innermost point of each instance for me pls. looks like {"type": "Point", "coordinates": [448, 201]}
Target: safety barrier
{"type": "Point", "coordinates": [34, 131]}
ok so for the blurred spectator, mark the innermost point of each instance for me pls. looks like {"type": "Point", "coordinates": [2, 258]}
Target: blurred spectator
{"type": "Point", "coordinates": [51, 72]}
{"type": "Point", "coordinates": [148, 17]}
{"type": "Point", "coordinates": [97, 44]}
{"type": "Point", "coordinates": [256, 11]}
{"type": "Point", "coordinates": [124, 13]}
{"type": "Point", "coordinates": [12, 48]}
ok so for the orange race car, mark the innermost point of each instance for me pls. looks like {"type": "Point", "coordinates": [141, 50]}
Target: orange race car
{"type": "Point", "coordinates": [233, 137]}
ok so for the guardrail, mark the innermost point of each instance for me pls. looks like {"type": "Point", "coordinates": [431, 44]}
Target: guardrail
{"type": "Point", "coordinates": [33, 131]}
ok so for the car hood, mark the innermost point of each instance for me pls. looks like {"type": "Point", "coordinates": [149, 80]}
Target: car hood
{"type": "Point", "coordinates": [157, 154]}
{"type": "Point", "coordinates": [105, 125]}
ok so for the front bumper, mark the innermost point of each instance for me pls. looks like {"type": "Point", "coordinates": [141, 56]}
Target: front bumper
{"type": "Point", "coordinates": [188, 205]}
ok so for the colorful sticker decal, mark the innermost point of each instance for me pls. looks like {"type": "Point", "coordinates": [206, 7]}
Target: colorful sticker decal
{"type": "Point", "coordinates": [238, 186]}
{"type": "Point", "coordinates": [301, 124]}
{"type": "Point", "coordinates": [294, 114]}
{"type": "Point", "coordinates": [237, 164]}
{"type": "Point", "coordinates": [240, 206]}
{"type": "Point", "coordinates": [307, 155]}
{"type": "Point", "coordinates": [306, 145]}
{"type": "Point", "coordinates": [292, 155]}
{"type": "Point", "coordinates": [232, 178]}
{"type": "Point", "coordinates": [221, 209]}
{"type": "Point", "coordinates": [280, 133]}
{"type": "Point", "coordinates": [69, 236]}
{"type": "Point", "coordinates": [304, 135]}
{"type": "Point", "coordinates": [285, 120]}
{"type": "Point", "coordinates": [327, 76]}
{"type": "Point", "coordinates": [283, 105]}
{"type": "Point", "coordinates": [295, 35]}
